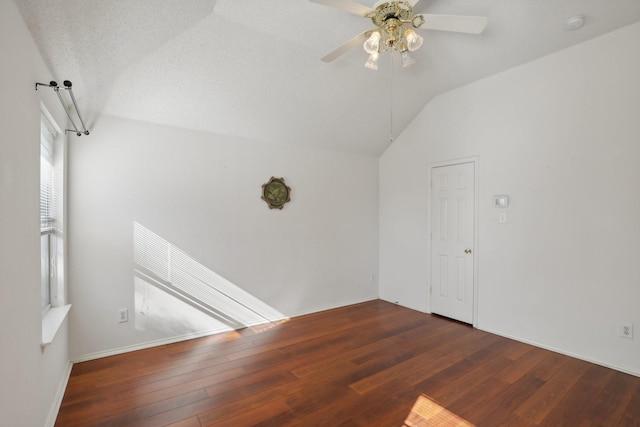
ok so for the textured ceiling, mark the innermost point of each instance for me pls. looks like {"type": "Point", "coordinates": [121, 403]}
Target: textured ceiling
{"type": "Point", "coordinates": [252, 68]}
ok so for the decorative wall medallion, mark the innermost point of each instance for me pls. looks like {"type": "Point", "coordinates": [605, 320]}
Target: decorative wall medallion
{"type": "Point", "coordinates": [276, 193]}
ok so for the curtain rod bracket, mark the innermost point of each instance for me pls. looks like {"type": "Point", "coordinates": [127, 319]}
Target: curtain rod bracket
{"type": "Point", "coordinates": [67, 86]}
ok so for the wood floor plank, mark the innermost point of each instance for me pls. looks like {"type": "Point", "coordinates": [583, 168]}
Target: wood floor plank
{"type": "Point", "coordinates": [189, 422]}
{"type": "Point", "coordinates": [523, 364]}
{"type": "Point", "coordinates": [517, 350]}
{"type": "Point", "coordinates": [487, 349]}
{"type": "Point", "coordinates": [370, 364]}
{"type": "Point", "coordinates": [441, 356]}
{"type": "Point", "coordinates": [127, 414]}
{"type": "Point", "coordinates": [250, 406]}
{"type": "Point", "coordinates": [631, 416]}
{"type": "Point", "coordinates": [246, 416]}
{"type": "Point", "coordinates": [547, 397]}
{"type": "Point", "coordinates": [468, 383]}
{"type": "Point", "coordinates": [149, 395]}
{"type": "Point", "coordinates": [501, 408]}
{"type": "Point", "coordinates": [582, 395]}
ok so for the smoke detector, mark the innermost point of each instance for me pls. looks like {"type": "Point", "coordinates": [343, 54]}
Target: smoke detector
{"type": "Point", "coordinates": [573, 22]}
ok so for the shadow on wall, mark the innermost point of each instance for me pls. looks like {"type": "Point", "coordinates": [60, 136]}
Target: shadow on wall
{"type": "Point", "coordinates": [176, 294]}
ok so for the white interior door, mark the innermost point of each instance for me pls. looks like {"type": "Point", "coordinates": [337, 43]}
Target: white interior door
{"type": "Point", "coordinates": [452, 241]}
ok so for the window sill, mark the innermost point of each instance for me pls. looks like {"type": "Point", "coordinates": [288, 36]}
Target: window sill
{"type": "Point", "coordinates": [51, 322]}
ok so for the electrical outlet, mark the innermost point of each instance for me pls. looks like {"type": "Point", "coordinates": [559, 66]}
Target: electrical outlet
{"type": "Point", "coordinates": [123, 315]}
{"type": "Point", "coordinates": [626, 330]}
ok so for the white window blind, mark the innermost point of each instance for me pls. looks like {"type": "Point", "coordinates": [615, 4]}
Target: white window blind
{"type": "Point", "coordinates": [48, 135]}
{"type": "Point", "coordinates": [49, 194]}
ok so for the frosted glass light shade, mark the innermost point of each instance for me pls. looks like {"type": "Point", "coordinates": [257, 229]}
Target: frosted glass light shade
{"type": "Point", "coordinates": [407, 59]}
{"type": "Point", "coordinates": [372, 62]}
{"type": "Point", "coordinates": [372, 44]}
{"type": "Point", "coordinates": [414, 41]}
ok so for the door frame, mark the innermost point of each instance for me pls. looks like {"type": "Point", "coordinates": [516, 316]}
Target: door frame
{"type": "Point", "coordinates": [475, 160]}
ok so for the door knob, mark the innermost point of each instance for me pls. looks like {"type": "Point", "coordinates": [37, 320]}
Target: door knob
{"type": "Point", "coordinates": [467, 251]}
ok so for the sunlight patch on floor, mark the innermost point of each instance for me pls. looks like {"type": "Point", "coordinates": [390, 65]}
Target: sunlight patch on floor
{"type": "Point", "coordinates": [426, 412]}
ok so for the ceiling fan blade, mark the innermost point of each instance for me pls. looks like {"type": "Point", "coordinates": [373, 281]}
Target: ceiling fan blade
{"type": "Point", "coordinates": [456, 23]}
{"type": "Point", "coordinates": [346, 5]}
{"type": "Point", "coordinates": [357, 40]}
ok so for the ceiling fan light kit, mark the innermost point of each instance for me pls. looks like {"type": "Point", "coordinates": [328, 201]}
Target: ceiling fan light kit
{"type": "Point", "coordinates": [394, 21]}
{"type": "Point", "coordinates": [395, 24]}
{"type": "Point", "coordinates": [372, 45]}
{"type": "Point", "coordinates": [414, 41]}
{"type": "Point", "coordinates": [372, 62]}
{"type": "Point", "coordinates": [406, 59]}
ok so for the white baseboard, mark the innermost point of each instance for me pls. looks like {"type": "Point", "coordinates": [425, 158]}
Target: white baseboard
{"type": "Point", "coordinates": [624, 369]}
{"type": "Point", "coordinates": [149, 344]}
{"type": "Point", "coordinates": [175, 339]}
{"type": "Point", "coordinates": [409, 306]}
{"type": "Point", "coordinates": [564, 352]}
{"type": "Point", "coordinates": [57, 401]}
{"type": "Point", "coordinates": [333, 306]}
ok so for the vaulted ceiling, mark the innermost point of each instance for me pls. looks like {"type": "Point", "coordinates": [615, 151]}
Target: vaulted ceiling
{"type": "Point", "coordinates": [251, 68]}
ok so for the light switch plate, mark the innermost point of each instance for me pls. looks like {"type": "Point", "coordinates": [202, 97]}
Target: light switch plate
{"type": "Point", "coordinates": [501, 201]}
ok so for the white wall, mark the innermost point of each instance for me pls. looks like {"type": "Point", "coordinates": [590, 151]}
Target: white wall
{"type": "Point", "coordinates": [560, 136]}
{"type": "Point", "coordinates": [201, 193]}
{"type": "Point", "coordinates": [30, 377]}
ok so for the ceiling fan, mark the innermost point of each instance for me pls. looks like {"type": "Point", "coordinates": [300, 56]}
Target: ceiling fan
{"type": "Point", "coordinates": [395, 23]}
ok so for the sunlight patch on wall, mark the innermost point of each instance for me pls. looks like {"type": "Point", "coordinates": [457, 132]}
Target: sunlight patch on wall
{"type": "Point", "coordinates": [160, 311]}
{"type": "Point", "coordinates": [177, 294]}
{"type": "Point", "coordinates": [427, 412]}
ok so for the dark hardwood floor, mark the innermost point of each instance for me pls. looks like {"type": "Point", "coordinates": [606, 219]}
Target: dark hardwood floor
{"type": "Point", "coordinates": [371, 364]}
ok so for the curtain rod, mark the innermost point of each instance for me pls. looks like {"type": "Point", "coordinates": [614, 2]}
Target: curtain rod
{"type": "Point", "coordinates": [67, 86]}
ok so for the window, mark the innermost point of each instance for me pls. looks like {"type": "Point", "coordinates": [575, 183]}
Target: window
{"type": "Point", "coordinates": [50, 214]}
